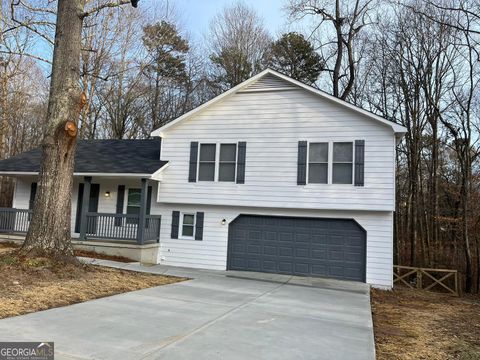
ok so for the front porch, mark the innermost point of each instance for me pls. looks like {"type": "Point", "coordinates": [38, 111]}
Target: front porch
{"type": "Point", "coordinates": [109, 215]}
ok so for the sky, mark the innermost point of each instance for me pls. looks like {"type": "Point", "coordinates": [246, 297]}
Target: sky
{"type": "Point", "coordinates": [195, 15]}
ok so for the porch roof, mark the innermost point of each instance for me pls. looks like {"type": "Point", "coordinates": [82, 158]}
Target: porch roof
{"type": "Point", "coordinates": [97, 156]}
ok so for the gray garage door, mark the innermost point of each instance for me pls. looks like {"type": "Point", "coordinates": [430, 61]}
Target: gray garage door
{"type": "Point", "coordinates": [333, 248]}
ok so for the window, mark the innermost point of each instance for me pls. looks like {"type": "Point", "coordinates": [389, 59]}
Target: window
{"type": "Point", "coordinates": [206, 168]}
{"type": "Point", "coordinates": [318, 163]}
{"type": "Point", "coordinates": [342, 166]}
{"type": "Point", "coordinates": [133, 205]}
{"type": "Point", "coordinates": [227, 164]}
{"type": "Point", "coordinates": [188, 225]}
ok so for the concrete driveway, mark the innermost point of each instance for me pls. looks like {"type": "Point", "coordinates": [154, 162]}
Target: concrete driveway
{"type": "Point", "coordinates": [213, 316]}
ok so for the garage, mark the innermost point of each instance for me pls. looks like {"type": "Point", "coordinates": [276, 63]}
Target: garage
{"type": "Point", "coordinates": [334, 248]}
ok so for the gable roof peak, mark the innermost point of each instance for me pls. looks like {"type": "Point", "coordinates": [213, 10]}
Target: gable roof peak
{"type": "Point", "coordinates": [243, 87]}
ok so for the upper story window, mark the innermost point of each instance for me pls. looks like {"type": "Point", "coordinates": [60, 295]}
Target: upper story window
{"type": "Point", "coordinates": [228, 161]}
{"type": "Point", "coordinates": [206, 162]}
{"type": "Point", "coordinates": [330, 163]}
{"type": "Point", "coordinates": [217, 163]}
{"type": "Point", "coordinates": [342, 166]}
{"type": "Point", "coordinates": [318, 163]}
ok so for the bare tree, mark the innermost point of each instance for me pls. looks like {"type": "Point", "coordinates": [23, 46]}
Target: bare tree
{"type": "Point", "coordinates": [336, 31]}
{"type": "Point", "coordinates": [238, 43]}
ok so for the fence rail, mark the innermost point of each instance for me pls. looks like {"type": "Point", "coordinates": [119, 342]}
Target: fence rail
{"type": "Point", "coordinates": [122, 227]}
{"type": "Point", "coordinates": [436, 277]}
{"type": "Point", "coordinates": [99, 225]}
{"type": "Point", "coordinates": [15, 220]}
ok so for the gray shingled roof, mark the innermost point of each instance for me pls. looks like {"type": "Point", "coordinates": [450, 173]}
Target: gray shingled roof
{"type": "Point", "coordinates": [99, 156]}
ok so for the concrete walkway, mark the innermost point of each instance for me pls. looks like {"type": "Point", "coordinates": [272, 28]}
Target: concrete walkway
{"type": "Point", "coordinates": [217, 315]}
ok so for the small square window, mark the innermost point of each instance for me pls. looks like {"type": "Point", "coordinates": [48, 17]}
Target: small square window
{"type": "Point", "coordinates": [188, 225]}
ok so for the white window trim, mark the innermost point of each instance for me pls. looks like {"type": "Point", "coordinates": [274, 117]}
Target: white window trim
{"type": "Point", "coordinates": [180, 224]}
{"type": "Point", "coordinates": [330, 162]}
{"type": "Point", "coordinates": [217, 162]}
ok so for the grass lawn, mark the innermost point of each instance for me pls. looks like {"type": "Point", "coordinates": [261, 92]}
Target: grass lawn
{"type": "Point", "coordinates": [413, 324]}
{"type": "Point", "coordinates": [29, 285]}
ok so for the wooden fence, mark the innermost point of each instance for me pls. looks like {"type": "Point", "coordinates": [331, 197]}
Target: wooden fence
{"type": "Point", "coordinates": [436, 277]}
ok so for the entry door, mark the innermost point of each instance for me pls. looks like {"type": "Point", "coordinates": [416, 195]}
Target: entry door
{"type": "Point", "coordinates": [92, 207]}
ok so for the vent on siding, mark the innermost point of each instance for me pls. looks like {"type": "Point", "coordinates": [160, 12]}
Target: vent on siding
{"type": "Point", "coordinates": [269, 82]}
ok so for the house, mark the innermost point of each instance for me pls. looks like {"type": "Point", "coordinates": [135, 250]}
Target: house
{"type": "Point", "coordinates": [271, 176]}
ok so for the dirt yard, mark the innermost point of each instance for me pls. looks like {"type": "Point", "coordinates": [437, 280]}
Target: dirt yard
{"type": "Point", "coordinates": [411, 324]}
{"type": "Point", "coordinates": [29, 285]}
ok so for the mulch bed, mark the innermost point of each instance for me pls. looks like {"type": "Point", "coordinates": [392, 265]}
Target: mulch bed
{"type": "Point", "coordinates": [28, 285]}
{"type": "Point", "coordinates": [414, 324]}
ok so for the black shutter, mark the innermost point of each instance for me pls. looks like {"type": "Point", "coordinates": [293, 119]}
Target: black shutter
{"type": "Point", "coordinates": [199, 226]}
{"type": "Point", "coordinates": [242, 153]}
{"type": "Point", "coordinates": [302, 163]}
{"type": "Point", "coordinates": [175, 224]}
{"type": "Point", "coordinates": [33, 193]}
{"type": "Point", "coordinates": [192, 169]}
{"type": "Point", "coordinates": [120, 200]}
{"type": "Point", "coordinates": [359, 162]}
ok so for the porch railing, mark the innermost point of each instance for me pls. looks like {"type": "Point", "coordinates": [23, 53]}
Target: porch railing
{"type": "Point", "coordinates": [15, 220]}
{"type": "Point", "coordinates": [99, 225]}
{"type": "Point", "coordinates": [122, 227]}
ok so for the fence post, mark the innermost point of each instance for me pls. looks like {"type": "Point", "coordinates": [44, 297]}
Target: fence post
{"type": "Point", "coordinates": [456, 283]}
{"type": "Point", "coordinates": [419, 279]}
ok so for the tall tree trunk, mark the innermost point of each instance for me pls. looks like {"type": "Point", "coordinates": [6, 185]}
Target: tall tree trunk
{"type": "Point", "coordinates": [49, 231]}
{"type": "Point", "coordinates": [6, 184]}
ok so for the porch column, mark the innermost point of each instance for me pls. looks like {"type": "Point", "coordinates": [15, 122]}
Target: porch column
{"type": "Point", "coordinates": [85, 206]}
{"type": "Point", "coordinates": [143, 212]}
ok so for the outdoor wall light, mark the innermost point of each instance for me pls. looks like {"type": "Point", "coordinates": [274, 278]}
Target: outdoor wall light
{"type": "Point", "coordinates": [107, 193]}
{"type": "Point", "coordinates": [224, 221]}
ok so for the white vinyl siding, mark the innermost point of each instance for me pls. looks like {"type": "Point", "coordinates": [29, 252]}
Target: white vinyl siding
{"type": "Point", "coordinates": [272, 123]}
{"type": "Point", "coordinates": [211, 253]}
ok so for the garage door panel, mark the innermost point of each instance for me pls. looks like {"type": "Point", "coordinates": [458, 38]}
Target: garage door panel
{"type": "Point", "coordinates": [319, 239]}
{"type": "Point", "coordinates": [269, 250]}
{"type": "Point", "coordinates": [302, 268]}
{"type": "Point", "coordinates": [298, 246]}
{"type": "Point", "coordinates": [270, 235]}
{"type": "Point", "coordinates": [302, 237]}
{"type": "Point", "coordinates": [319, 254]}
{"type": "Point", "coordinates": [302, 253]}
